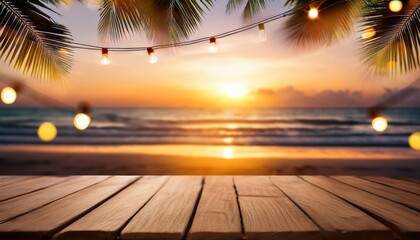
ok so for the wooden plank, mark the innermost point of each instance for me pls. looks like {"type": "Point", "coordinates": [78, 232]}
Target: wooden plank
{"type": "Point", "coordinates": [48, 220]}
{"type": "Point", "coordinates": [396, 195]}
{"type": "Point", "coordinates": [397, 183]}
{"type": "Point", "coordinates": [271, 215]}
{"type": "Point", "coordinates": [402, 220]}
{"type": "Point", "coordinates": [168, 213]}
{"type": "Point", "coordinates": [217, 215]}
{"type": "Point", "coordinates": [106, 221]}
{"type": "Point", "coordinates": [6, 180]}
{"type": "Point", "coordinates": [27, 186]}
{"type": "Point", "coordinates": [20, 205]}
{"type": "Point", "coordinates": [337, 219]}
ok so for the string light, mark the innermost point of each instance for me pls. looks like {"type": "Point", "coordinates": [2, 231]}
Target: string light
{"type": "Point", "coordinates": [213, 46]}
{"type": "Point", "coordinates": [105, 59]}
{"type": "Point", "coordinates": [414, 141]}
{"type": "Point", "coordinates": [82, 120]}
{"type": "Point", "coordinates": [395, 5]}
{"type": "Point", "coordinates": [313, 13]}
{"type": "Point", "coordinates": [262, 35]}
{"type": "Point", "coordinates": [379, 124]}
{"type": "Point", "coordinates": [152, 56]}
{"type": "Point", "coordinates": [47, 132]}
{"type": "Point", "coordinates": [8, 95]}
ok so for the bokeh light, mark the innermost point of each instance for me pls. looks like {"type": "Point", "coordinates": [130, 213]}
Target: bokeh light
{"type": "Point", "coordinates": [81, 121]}
{"type": "Point", "coordinates": [368, 33]}
{"type": "Point", "coordinates": [227, 153]}
{"type": "Point", "coordinates": [47, 132]}
{"type": "Point", "coordinates": [8, 95]}
{"type": "Point", "coordinates": [414, 141]}
{"type": "Point", "coordinates": [379, 124]}
{"type": "Point", "coordinates": [395, 5]}
{"type": "Point", "coordinates": [313, 13]}
{"type": "Point", "coordinates": [228, 140]}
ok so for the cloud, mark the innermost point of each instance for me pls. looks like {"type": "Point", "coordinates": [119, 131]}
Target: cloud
{"type": "Point", "coordinates": [292, 97]}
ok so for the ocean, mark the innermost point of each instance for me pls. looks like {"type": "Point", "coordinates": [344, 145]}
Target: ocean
{"type": "Point", "coordinates": [248, 127]}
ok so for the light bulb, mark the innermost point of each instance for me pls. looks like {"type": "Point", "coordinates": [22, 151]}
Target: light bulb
{"type": "Point", "coordinates": [369, 33]}
{"type": "Point", "coordinates": [81, 121]}
{"type": "Point", "coordinates": [105, 59]}
{"type": "Point", "coordinates": [313, 13]}
{"type": "Point", "coordinates": [47, 132]}
{"type": "Point", "coordinates": [262, 36]}
{"type": "Point", "coordinates": [213, 46]}
{"type": "Point", "coordinates": [395, 5]}
{"type": "Point", "coordinates": [379, 124]}
{"type": "Point", "coordinates": [414, 141]}
{"type": "Point", "coordinates": [8, 95]}
{"type": "Point", "coordinates": [152, 56]}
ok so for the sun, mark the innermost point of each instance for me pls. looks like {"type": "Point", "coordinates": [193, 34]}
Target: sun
{"type": "Point", "coordinates": [235, 90]}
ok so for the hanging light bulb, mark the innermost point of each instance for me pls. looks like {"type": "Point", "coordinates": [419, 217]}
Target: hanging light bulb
{"type": "Point", "coordinates": [213, 46]}
{"type": "Point", "coordinates": [47, 132]}
{"type": "Point", "coordinates": [379, 124]}
{"type": "Point", "coordinates": [152, 56]}
{"type": "Point", "coordinates": [262, 35]}
{"type": "Point", "coordinates": [8, 95]}
{"type": "Point", "coordinates": [105, 59]}
{"type": "Point", "coordinates": [313, 13]}
{"type": "Point", "coordinates": [82, 120]}
{"type": "Point", "coordinates": [395, 5]}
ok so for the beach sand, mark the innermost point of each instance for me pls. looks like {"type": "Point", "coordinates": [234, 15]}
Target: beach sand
{"type": "Point", "coordinates": [206, 160]}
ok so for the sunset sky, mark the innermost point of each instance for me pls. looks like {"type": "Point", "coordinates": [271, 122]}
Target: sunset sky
{"type": "Point", "coordinates": [276, 74]}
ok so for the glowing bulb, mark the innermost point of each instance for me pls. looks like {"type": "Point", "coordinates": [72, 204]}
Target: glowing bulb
{"type": "Point", "coordinates": [379, 124]}
{"type": "Point", "coordinates": [395, 5]}
{"type": "Point", "coordinates": [369, 33]}
{"type": "Point", "coordinates": [213, 46]}
{"type": "Point", "coordinates": [414, 141]}
{"type": "Point", "coordinates": [81, 121]}
{"type": "Point", "coordinates": [47, 132]}
{"type": "Point", "coordinates": [313, 13]}
{"type": "Point", "coordinates": [152, 56]}
{"type": "Point", "coordinates": [262, 36]}
{"type": "Point", "coordinates": [105, 59]}
{"type": "Point", "coordinates": [8, 95]}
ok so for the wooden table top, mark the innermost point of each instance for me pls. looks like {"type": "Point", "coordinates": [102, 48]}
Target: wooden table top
{"type": "Point", "coordinates": [210, 207]}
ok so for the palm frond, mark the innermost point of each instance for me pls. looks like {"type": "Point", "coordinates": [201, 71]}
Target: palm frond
{"type": "Point", "coordinates": [30, 41]}
{"type": "Point", "coordinates": [335, 21]}
{"type": "Point", "coordinates": [395, 46]}
{"type": "Point", "coordinates": [252, 7]}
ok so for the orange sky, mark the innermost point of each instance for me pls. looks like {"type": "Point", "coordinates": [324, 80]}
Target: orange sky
{"type": "Point", "coordinates": [276, 74]}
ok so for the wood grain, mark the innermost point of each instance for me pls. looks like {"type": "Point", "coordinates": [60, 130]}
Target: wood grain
{"type": "Point", "coordinates": [23, 204]}
{"type": "Point", "coordinates": [396, 195]}
{"type": "Point", "coordinates": [6, 180]}
{"type": "Point", "coordinates": [271, 215]}
{"type": "Point", "coordinates": [27, 186]}
{"type": "Point", "coordinates": [217, 215]}
{"type": "Point", "coordinates": [402, 220]}
{"type": "Point", "coordinates": [337, 219]}
{"type": "Point", "coordinates": [105, 221]}
{"type": "Point", "coordinates": [168, 213]}
{"type": "Point", "coordinates": [48, 220]}
{"type": "Point", "coordinates": [397, 183]}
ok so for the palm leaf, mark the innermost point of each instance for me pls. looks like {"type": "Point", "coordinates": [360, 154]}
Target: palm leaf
{"type": "Point", "coordinates": [395, 46]}
{"type": "Point", "coordinates": [30, 41]}
{"type": "Point", "coordinates": [252, 7]}
{"type": "Point", "coordinates": [335, 22]}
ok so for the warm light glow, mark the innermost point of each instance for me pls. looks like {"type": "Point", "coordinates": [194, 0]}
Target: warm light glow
{"type": "Point", "coordinates": [414, 141]}
{"type": "Point", "coordinates": [152, 56]}
{"type": "Point", "coordinates": [213, 46]}
{"type": "Point", "coordinates": [313, 13]}
{"type": "Point", "coordinates": [369, 33]}
{"type": "Point", "coordinates": [227, 140]}
{"type": "Point", "coordinates": [81, 121]}
{"type": "Point", "coordinates": [8, 95]}
{"type": "Point", "coordinates": [227, 153]}
{"type": "Point", "coordinates": [395, 6]}
{"type": "Point", "coordinates": [379, 124]}
{"type": "Point", "coordinates": [262, 36]}
{"type": "Point", "coordinates": [47, 132]}
{"type": "Point", "coordinates": [105, 59]}
{"type": "Point", "coordinates": [236, 90]}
